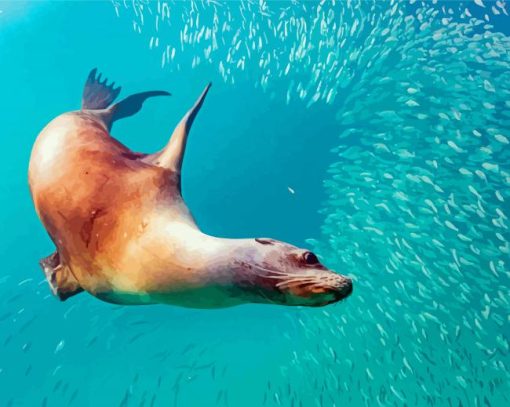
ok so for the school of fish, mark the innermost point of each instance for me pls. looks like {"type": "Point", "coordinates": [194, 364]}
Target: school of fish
{"type": "Point", "coordinates": [418, 205]}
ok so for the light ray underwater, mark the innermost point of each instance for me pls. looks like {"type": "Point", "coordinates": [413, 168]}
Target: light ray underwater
{"type": "Point", "coordinates": [375, 134]}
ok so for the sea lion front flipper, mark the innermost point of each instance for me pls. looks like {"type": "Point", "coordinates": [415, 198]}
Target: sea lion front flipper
{"type": "Point", "coordinates": [62, 282]}
{"type": "Point", "coordinates": [171, 156]}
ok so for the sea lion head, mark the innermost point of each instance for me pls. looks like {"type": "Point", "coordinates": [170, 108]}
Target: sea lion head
{"type": "Point", "coordinates": [272, 271]}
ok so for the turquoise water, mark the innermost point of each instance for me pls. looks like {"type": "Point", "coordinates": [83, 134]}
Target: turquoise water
{"type": "Point", "coordinates": [389, 120]}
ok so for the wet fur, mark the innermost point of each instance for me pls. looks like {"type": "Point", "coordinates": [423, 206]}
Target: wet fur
{"type": "Point", "coordinates": [124, 234]}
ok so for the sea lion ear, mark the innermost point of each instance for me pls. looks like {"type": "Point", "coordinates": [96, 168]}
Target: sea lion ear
{"type": "Point", "coordinates": [263, 240]}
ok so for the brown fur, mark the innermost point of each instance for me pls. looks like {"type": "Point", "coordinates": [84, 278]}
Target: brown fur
{"type": "Point", "coordinates": [94, 196]}
{"type": "Point", "coordinates": [124, 234]}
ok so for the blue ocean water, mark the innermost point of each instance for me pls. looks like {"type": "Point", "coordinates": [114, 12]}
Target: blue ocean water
{"type": "Point", "coordinates": [390, 122]}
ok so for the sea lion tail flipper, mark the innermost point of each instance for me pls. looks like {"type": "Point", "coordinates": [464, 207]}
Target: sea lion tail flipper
{"type": "Point", "coordinates": [126, 107]}
{"type": "Point", "coordinates": [132, 104]}
{"type": "Point", "coordinates": [98, 98]}
{"type": "Point", "coordinates": [97, 94]}
{"type": "Point", "coordinates": [171, 156]}
{"type": "Point", "coordinates": [62, 282]}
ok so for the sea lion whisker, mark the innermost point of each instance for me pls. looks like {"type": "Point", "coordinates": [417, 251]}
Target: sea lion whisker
{"type": "Point", "coordinates": [293, 283]}
{"type": "Point", "coordinates": [299, 279]}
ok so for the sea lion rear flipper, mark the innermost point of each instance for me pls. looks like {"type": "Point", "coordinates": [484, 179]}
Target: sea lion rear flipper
{"type": "Point", "coordinates": [171, 156]}
{"type": "Point", "coordinates": [98, 96]}
{"type": "Point", "coordinates": [132, 104]}
{"type": "Point", "coordinates": [62, 282]}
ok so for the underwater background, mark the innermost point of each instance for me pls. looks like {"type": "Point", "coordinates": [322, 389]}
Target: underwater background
{"type": "Point", "coordinates": [374, 132]}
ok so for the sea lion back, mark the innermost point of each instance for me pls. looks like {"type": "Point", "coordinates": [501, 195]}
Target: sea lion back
{"type": "Point", "coordinates": [86, 186]}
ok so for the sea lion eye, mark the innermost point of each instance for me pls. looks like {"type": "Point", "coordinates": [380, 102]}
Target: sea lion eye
{"type": "Point", "coordinates": [310, 258]}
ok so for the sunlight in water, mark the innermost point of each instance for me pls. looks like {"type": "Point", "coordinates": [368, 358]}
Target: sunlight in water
{"type": "Point", "coordinates": [415, 99]}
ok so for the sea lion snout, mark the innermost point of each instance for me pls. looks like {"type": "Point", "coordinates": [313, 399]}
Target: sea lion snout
{"type": "Point", "coordinates": [325, 287]}
{"type": "Point", "coordinates": [285, 274]}
{"type": "Point", "coordinates": [343, 289]}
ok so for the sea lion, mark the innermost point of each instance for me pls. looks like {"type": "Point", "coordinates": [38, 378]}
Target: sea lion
{"type": "Point", "coordinates": [124, 234]}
